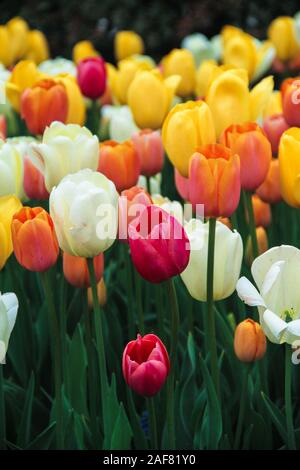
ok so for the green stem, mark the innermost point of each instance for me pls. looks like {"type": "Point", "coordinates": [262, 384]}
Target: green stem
{"type": "Point", "coordinates": [243, 401]}
{"type": "Point", "coordinates": [148, 184]}
{"type": "Point", "coordinates": [2, 412]}
{"type": "Point", "coordinates": [252, 228]}
{"type": "Point", "coordinates": [130, 307]}
{"type": "Point", "coordinates": [160, 312]}
{"type": "Point", "coordinates": [152, 414]}
{"type": "Point", "coordinates": [173, 356]}
{"type": "Point", "coordinates": [288, 399]}
{"type": "Point", "coordinates": [210, 323]}
{"type": "Point", "coordinates": [139, 302]}
{"type": "Point", "coordinates": [100, 346]}
{"type": "Point", "coordinates": [55, 334]}
{"type": "Point", "coordinates": [93, 117]}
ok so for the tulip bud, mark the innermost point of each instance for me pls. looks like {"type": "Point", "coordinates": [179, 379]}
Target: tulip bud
{"type": "Point", "coordinates": [262, 212]}
{"type": "Point", "coordinates": [149, 148]}
{"type": "Point", "coordinates": [290, 92]}
{"type": "Point", "coordinates": [120, 163]}
{"type": "Point", "coordinates": [9, 205]}
{"type": "Point", "coordinates": [182, 185]}
{"type": "Point", "coordinates": [11, 174]}
{"type": "Point", "coordinates": [24, 75]}
{"type": "Point", "coordinates": [269, 190]}
{"type": "Point", "coordinates": [38, 49]}
{"type": "Point", "coordinates": [102, 294]}
{"type": "Point", "coordinates": [34, 239]}
{"type": "Point", "coordinates": [289, 164]}
{"type": "Point", "coordinates": [8, 313]}
{"type": "Point", "coordinates": [83, 50]}
{"type": "Point", "coordinates": [274, 126]}
{"type": "Point", "coordinates": [131, 204]}
{"type": "Point", "coordinates": [34, 182]}
{"type": "Point", "coordinates": [91, 76]}
{"type": "Point", "coordinates": [249, 341]}
{"type": "Point", "coordinates": [76, 269]}
{"type": "Point", "coordinates": [181, 62]}
{"type": "Point", "coordinates": [282, 34]}
{"type": "Point", "coordinates": [127, 43]}
{"type": "Point", "coordinates": [145, 365]}
{"type": "Point", "coordinates": [262, 243]}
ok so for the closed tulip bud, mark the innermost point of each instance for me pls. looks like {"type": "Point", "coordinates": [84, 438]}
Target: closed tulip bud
{"type": "Point", "coordinates": [83, 50]}
{"type": "Point", "coordinates": [181, 62]}
{"type": "Point", "coordinates": [24, 75]}
{"type": "Point", "coordinates": [182, 185]}
{"type": "Point", "coordinates": [76, 105]}
{"type": "Point", "coordinates": [38, 49]}
{"type": "Point", "coordinates": [63, 150]}
{"type": "Point", "coordinates": [11, 170]}
{"type": "Point", "coordinates": [202, 48]}
{"type": "Point", "coordinates": [34, 239]}
{"type": "Point", "coordinates": [91, 76]}
{"type": "Point", "coordinates": [188, 126]}
{"type": "Point", "coordinates": [239, 49]}
{"type": "Point", "coordinates": [289, 165]}
{"type": "Point", "coordinates": [214, 180]}
{"type": "Point", "coordinates": [3, 127]}
{"type": "Point", "coordinates": [6, 56]}
{"type": "Point", "coordinates": [282, 34]}
{"type": "Point", "coordinates": [84, 209]}
{"type": "Point", "coordinates": [145, 365]}
{"type": "Point", "coordinates": [42, 104]}
{"type": "Point", "coordinates": [227, 265]}
{"type": "Point", "coordinates": [262, 243]}
{"type": "Point", "coordinates": [8, 313]}
{"type": "Point", "coordinates": [150, 97]}
{"type": "Point", "coordinates": [102, 294]}
{"type": "Point", "coordinates": [262, 212]}
{"type": "Point", "coordinates": [76, 269]}
{"type": "Point", "coordinates": [149, 148]}
{"type": "Point", "coordinates": [273, 105]}
{"type": "Point", "coordinates": [274, 126]}
{"type": "Point", "coordinates": [249, 341]}
{"type": "Point", "coordinates": [127, 43]}
{"type": "Point", "coordinates": [249, 141]}
{"type": "Point", "coordinates": [9, 205]}
{"type": "Point", "coordinates": [269, 190]}
{"type": "Point", "coordinates": [204, 76]}
{"type": "Point", "coordinates": [131, 204]}
{"type": "Point", "coordinates": [34, 182]}
{"type": "Point", "coordinates": [159, 246]}
{"type": "Point", "coordinates": [18, 32]}
{"type": "Point", "coordinates": [290, 92]}
{"type": "Point", "coordinates": [120, 163]}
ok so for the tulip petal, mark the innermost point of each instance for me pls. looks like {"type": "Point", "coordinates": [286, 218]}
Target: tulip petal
{"type": "Point", "coordinates": [273, 326]}
{"type": "Point", "coordinates": [248, 293]}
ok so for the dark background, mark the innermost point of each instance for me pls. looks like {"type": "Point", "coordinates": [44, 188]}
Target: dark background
{"type": "Point", "coordinates": [162, 24]}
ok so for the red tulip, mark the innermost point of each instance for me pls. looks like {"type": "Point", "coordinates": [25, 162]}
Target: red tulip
{"type": "Point", "coordinates": [159, 246]}
{"type": "Point", "coordinates": [91, 76]}
{"type": "Point", "coordinates": [274, 126]}
{"type": "Point", "coordinates": [3, 127]}
{"type": "Point", "coordinates": [145, 365]}
{"type": "Point", "coordinates": [131, 204]}
{"type": "Point", "coordinates": [148, 145]}
{"type": "Point", "coordinates": [290, 94]}
{"type": "Point", "coordinates": [34, 182]}
{"type": "Point", "coordinates": [269, 190]}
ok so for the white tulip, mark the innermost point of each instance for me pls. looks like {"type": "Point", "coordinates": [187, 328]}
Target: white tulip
{"type": "Point", "coordinates": [121, 124]}
{"type": "Point", "coordinates": [65, 149]}
{"type": "Point", "coordinates": [84, 209]}
{"type": "Point", "coordinates": [58, 66]}
{"type": "Point", "coordinates": [155, 183]}
{"type": "Point", "coordinates": [173, 208]}
{"type": "Point", "coordinates": [8, 313]}
{"type": "Point", "coordinates": [227, 264]}
{"type": "Point", "coordinates": [11, 170]}
{"type": "Point", "coordinates": [200, 46]}
{"type": "Point", "coordinates": [276, 274]}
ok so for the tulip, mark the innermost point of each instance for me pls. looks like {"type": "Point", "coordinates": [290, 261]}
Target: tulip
{"type": "Point", "coordinates": [18, 32]}
{"type": "Point", "coordinates": [76, 105]}
{"type": "Point", "coordinates": [6, 56]}
{"type": "Point", "coordinates": [182, 185]}
{"type": "Point", "coordinates": [64, 149]}
{"type": "Point", "coordinates": [23, 76]}
{"type": "Point", "coordinates": [227, 265]}
{"type": "Point", "coordinates": [8, 313]}
{"type": "Point", "coordinates": [204, 76]}
{"type": "Point", "coordinates": [145, 365]}
{"type": "Point", "coordinates": [58, 66]}
{"type": "Point", "coordinates": [269, 190]}
{"type": "Point", "coordinates": [214, 180]}
{"type": "Point", "coordinates": [262, 212]}
{"type": "Point", "coordinates": [154, 183]}
{"type": "Point", "coordinates": [38, 49]}
{"type": "Point", "coordinates": [34, 182]}
{"type": "Point", "coordinates": [150, 97]}
{"type": "Point", "coordinates": [76, 270]}
{"type": "Point", "coordinates": [149, 148]}
{"type": "Point", "coordinates": [188, 126]}
{"type": "Point", "coordinates": [225, 221]}
{"type": "Point", "coordinates": [181, 62]}
{"type": "Point", "coordinates": [273, 105]}
{"type": "Point", "coordinates": [201, 48]}
{"type": "Point", "coordinates": [9, 205]}
{"type": "Point", "coordinates": [42, 104]}
{"type": "Point", "coordinates": [34, 239]}
{"type": "Point", "coordinates": [84, 209]}
{"type": "Point", "coordinates": [120, 163]}
{"type": "Point", "coordinates": [127, 43]}
{"type": "Point", "coordinates": [173, 208]}
{"type": "Point", "coordinates": [159, 246]}
{"type": "Point", "coordinates": [83, 50]}
{"type": "Point", "coordinates": [274, 126]}
{"type": "Point", "coordinates": [3, 127]}
{"type": "Point", "coordinates": [91, 76]}
{"type": "Point", "coordinates": [262, 244]}
{"type": "Point", "coordinates": [131, 204]}
{"type": "Point", "coordinates": [289, 166]}
{"type": "Point", "coordinates": [239, 49]}
{"type": "Point", "coordinates": [102, 294]}
{"type": "Point", "coordinates": [290, 92]}
{"type": "Point", "coordinates": [249, 341]}
{"type": "Point", "coordinates": [11, 170]}
{"type": "Point", "coordinates": [251, 144]}
{"type": "Point", "coordinates": [276, 273]}
{"type": "Point", "coordinates": [281, 32]}
{"type": "Point", "coordinates": [119, 122]}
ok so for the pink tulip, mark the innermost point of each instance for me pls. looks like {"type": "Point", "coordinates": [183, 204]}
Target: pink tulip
{"type": "Point", "coordinates": [148, 145]}
{"type": "Point", "coordinates": [274, 126]}
{"type": "Point", "coordinates": [34, 182]}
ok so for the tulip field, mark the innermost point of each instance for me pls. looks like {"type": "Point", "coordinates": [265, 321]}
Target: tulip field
{"type": "Point", "coordinates": [150, 243]}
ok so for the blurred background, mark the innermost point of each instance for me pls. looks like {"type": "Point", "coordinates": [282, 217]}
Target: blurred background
{"type": "Point", "coordinates": [162, 24]}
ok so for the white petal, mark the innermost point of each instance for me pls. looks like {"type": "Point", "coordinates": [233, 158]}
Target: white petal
{"type": "Point", "coordinates": [271, 277]}
{"type": "Point", "coordinates": [2, 352]}
{"type": "Point", "coordinates": [273, 326]}
{"type": "Point", "coordinates": [11, 303]}
{"type": "Point", "coordinates": [292, 332]}
{"type": "Point", "coordinates": [248, 293]}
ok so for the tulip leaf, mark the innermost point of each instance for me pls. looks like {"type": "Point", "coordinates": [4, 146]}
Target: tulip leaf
{"type": "Point", "coordinates": [122, 432]}
{"type": "Point", "coordinates": [188, 392]}
{"type": "Point", "coordinates": [276, 416]}
{"type": "Point", "coordinates": [76, 367]}
{"type": "Point", "coordinates": [43, 440]}
{"type": "Point", "coordinates": [25, 424]}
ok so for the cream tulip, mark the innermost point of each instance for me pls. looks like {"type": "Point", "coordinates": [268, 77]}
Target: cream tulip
{"type": "Point", "coordinates": [8, 313]}
{"type": "Point", "coordinates": [11, 170]}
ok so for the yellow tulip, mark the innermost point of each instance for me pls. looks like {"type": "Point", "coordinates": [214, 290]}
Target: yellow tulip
{"type": "Point", "coordinates": [82, 50]}
{"type": "Point", "coordinates": [150, 97]}
{"type": "Point", "coordinates": [181, 62]}
{"type": "Point", "coordinates": [289, 165]}
{"type": "Point", "coordinates": [23, 76]}
{"type": "Point", "coordinates": [6, 56]}
{"type": "Point", "coordinates": [281, 32]}
{"type": "Point", "coordinates": [76, 104]}
{"type": "Point", "coordinates": [38, 49]}
{"type": "Point", "coordinates": [18, 32]}
{"type": "Point", "coordinates": [259, 97]}
{"type": "Point", "coordinates": [127, 43]}
{"type": "Point", "coordinates": [274, 104]}
{"type": "Point", "coordinates": [124, 75]}
{"type": "Point", "coordinates": [204, 76]}
{"type": "Point", "coordinates": [188, 126]}
{"type": "Point", "coordinates": [9, 205]}
{"type": "Point", "coordinates": [239, 49]}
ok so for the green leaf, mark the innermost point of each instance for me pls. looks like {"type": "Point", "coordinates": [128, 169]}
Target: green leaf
{"type": "Point", "coordinates": [43, 440]}
{"type": "Point", "coordinates": [188, 392]}
{"type": "Point", "coordinates": [76, 366]}
{"type": "Point", "coordinates": [25, 424]}
{"type": "Point", "coordinates": [276, 416]}
{"type": "Point", "coordinates": [122, 433]}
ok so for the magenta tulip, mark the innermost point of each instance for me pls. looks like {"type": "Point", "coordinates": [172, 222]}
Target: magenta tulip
{"type": "Point", "coordinates": [91, 76]}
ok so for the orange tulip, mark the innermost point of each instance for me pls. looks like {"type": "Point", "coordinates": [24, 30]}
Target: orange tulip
{"type": "Point", "coordinates": [42, 104]}
{"type": "Point", "coordinates": [34, 182]}
{"type": "Point", "coordinates": [214, 180]}
{"type": "Point", "coordinates": [269, 190]}
{"type": "Point", "coordinates": [34, 239]}
{"type": "Point", "coordinates": [76, 269]}
{"type": "Point", "coordinates": [249, 341]}
{"type": "Point", "coordinates": [225, 221]}
{"type": "Point", "coordinates": [290, 94]}
{"type": "Point", "coordinates": [131, 203]}
{"type": "Point", "coordinates": [262, 243]}
{"type": "Point", "coordinates": [102, 294]}
{"type": "Point", "coordinates": [262, 212]}
{"type": "Point", "coordinates": [120, 163]}
{"type": "Point", "coordinates": [249, 141]}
